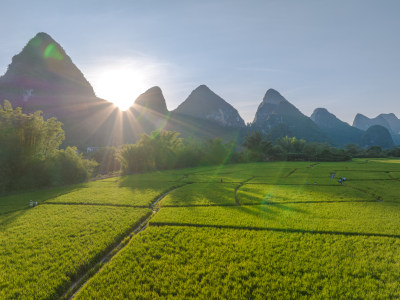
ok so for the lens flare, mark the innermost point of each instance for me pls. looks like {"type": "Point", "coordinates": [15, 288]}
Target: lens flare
{"type": "Point", "coordinates": [51, 51]}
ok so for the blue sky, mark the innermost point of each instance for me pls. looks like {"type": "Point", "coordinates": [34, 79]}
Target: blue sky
{"type": "Point", "coordinates": [343, 55]}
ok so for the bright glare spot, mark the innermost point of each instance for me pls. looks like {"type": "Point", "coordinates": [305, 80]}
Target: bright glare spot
{"type": "Point", "coordinates": [123, 80]}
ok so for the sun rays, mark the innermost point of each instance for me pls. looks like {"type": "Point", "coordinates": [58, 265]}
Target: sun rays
{"type": "Point", "coordinates": [122, 80]}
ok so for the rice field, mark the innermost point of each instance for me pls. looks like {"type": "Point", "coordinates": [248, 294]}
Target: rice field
{"type": "Point", "coordinates": [261, 230]}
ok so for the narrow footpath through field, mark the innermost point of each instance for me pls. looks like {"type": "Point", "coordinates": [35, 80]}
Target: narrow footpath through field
{"type": "Point", "coordinates": [75, 287]}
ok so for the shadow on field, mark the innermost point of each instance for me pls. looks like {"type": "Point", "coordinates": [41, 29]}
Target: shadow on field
{"type": "Point", "coordinates": [15, 205]}
{"type": "Point", "coordinates": [284, 230]}
{"type": "Point", "coordinates": [202, 194]}
{"type": "Point", "coordinates": [10, 216]}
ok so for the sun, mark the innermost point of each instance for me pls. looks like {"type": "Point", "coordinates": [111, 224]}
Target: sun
{"type": "Point", "coordinates": [120, 82]}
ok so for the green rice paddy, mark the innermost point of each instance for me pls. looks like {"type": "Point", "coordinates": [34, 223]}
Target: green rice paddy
{"type": "Point", "coordinates": [261, 230]}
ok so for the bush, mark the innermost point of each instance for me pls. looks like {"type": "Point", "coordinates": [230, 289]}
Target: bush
{"type": "Point", "coordinates": [30, 155]}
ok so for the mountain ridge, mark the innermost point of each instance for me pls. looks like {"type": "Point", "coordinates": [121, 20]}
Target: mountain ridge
{"type": "Point", "coordinates": [275, 110]}
{"type": "Point", "coordinates": [43, 77]}
{"type": "Point", "coordinates": [203, 103]}
{"type": "Point", "coordinates": [389, 121]}
{"type": "Point", "coordinates": [339, 132]}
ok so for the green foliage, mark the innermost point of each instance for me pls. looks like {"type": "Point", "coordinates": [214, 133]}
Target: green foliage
{"type": "Point", "coordinates": [393, 152]}
{"type": "Point", "coordinates": [189, 154]}
{"type": "Point", "coordinates": [260, 149]}
{"type": "Point", "coordinates": [163, 150]}
{"type": "Point", "coordinates": [218, 263]}
{"type": "Point", "coordinates": [130, 190]}
{"type": "Point", "coordinates": [326, 240]}
{"type": "Point", "coordinates": [287, 238]}
{"type": "Point", "coordinates": [202, 194]}
{"type": "Point", "coordinates": [157, 151]}
{"type": "Point", "coordinates": [50, 245]}
{"type": "Point", "coordinates": [29, 154]}
{"type": "Point", "coordinates": [290, 149]}
{"type": "Point", "coordinates": [68, 167]}
{"type": "Point", "coordinates": [106, 160]}
{"type": "Point", "coordinates": [47, 247]}
{"type": "Point", "coordinates": [215, 152]}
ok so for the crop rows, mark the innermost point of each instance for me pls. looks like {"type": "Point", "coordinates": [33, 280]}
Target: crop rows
{"type": "Point", "coordinates": [48, 246]}
{"type": "Point", "coordinates": [297, 233]}
{"type": "Point", "coordinates": [261, 230]}
{"type": "Point", "coordinates": [341, 218]}
{"type": "Point", "coordinates": [182, 263]}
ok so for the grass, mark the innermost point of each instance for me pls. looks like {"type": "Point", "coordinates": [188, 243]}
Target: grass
{"type": "Point", "coordinates": [202, 194]}
{"type": "Point", "coordinates": [266, 193]}
{"type": "Point", "coordinates": [128, 190]}
{"type": "Point", "coordinates": [265, 231]}
{"type": "Point", "coordinates": [188, 263]}
{"type": "Point", "coordinates": [336, 218]}
{"type": "Point", "coordinates": [47, 247]}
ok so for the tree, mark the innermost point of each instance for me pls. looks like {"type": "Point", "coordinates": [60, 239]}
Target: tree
{"type": "Point", "coordinates": [292, 147]}
{"type": "Point", "coordinates": [214, 152]}
{"type": "Point", "coordinates": [259, 148]}
{"type": "Point", "coordinates": [29, 147]}
{"type": "Point", "coordinates": [156, 151]}
{"type": "Point", "coordinates": [106, 159]}
{"type": "Point", "coordinates": [354, 150]}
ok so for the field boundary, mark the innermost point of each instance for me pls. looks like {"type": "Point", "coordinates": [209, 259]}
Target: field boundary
{"type": "Point", "coordinates": [96, 204]}
{"type": "Point", "coordinates": [290, 173]}
{"type": "Point", "coordinates": [238, 187]}
{"type": "Point", "coordinates": [79, 283]}
{"type": "Point", "coordinates": [285, 230]}
{"type": "Point", "coordinates": [266, 203]}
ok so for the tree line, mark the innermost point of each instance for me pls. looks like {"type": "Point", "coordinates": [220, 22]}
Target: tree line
{"type": "Point", "coordinates": [30, 154]}
{"type": "Point", "coordinates": [166, 150]}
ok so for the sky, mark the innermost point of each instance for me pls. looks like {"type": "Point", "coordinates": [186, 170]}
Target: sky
{"type": "Point", "coordinates": [343, 55]}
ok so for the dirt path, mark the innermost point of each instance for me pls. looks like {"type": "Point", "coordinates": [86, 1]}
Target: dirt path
{"type": "Point", "coordinates": [290, 173]}
{"type": "Point", "coordinates": [78, 284]}
{"type": "Point", "coordinates": [238, 187]}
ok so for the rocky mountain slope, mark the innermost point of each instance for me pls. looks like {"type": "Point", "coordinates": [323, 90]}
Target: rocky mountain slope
{"type": "Point", "coordinates": [43, 77]}
{"type": "Point", "coordinates": [389, 121]}
{"type": "Point", "coordinates": [339, 132]}
{"type": "Point", "coordinates": [204, 104]}
{"type": "Point", "coordinates": [376, 135]}
{"type": "Point", "coordinates": [153, 101]}
{"type": "Point", "coordinates": [277, 114]}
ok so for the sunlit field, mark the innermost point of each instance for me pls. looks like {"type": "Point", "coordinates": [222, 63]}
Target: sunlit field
{"type": "Point", "coordinates": [260, 230]}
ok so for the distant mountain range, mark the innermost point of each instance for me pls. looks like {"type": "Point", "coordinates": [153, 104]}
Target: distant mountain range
{"type": "Point", "coordinates": [389, 121]}
{"type": "Point", "coordinates": [340, 133]}
{"type": "Point", "coordinates": [277, 116]}
{"type": "Point", "coordinates": [43, 77]}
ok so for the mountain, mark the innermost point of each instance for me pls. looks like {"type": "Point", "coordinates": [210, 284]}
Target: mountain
{"type": "Point", "coordinates": [279, 116]}
{"type": "Point", "coordinates": [377, 135]}
{"type": "Point", "coordinates": [339, 132]}
{"type": "Point", "coordinates": [362, 122]}
{"type": "Point", "coordinates": [389, 121]}
{"type": "Point", "coordinates": [393, 122]}
{"type": "Point", "coordinates": [204, 104]}
{"type": "Point", "coordinates": [43, 77]}
{"type": "Point", "coordinates": [42, 71]}
{"type": "Point", "coordinates": [152, 100]}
